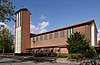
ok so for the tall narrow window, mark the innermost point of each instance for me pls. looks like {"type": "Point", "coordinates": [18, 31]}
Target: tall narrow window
{"type": "Point", "coordinates": [56, 34]}
{"type": "Point", "coordinates": [20, 18]}
{"type": "Point", "coordinates": [17, 21]}
{"type": "Point", "coordinates": [41, 37]}
{"type": "Point", "coordinates": [50, 36]}
{"type": "Point", "coordinates": [69, 32]}
{"type": "Point", "coordinates": [62, 34]}
{"type": "Point", "coordinates": [45, 37]}
{"type": "Point", "coordinates": [36, 38]}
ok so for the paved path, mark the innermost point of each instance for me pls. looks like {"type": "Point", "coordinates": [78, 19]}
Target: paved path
{"type": "Point", "coordinates": [25, 60]}
{"type": "Point", "coordinates": [13, 61]}
{"type": "Point", "coordinates": [31, 63]}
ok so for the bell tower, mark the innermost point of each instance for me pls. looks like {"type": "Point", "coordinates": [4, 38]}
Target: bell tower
{"type": "Point", "coordinates": [22, 30]}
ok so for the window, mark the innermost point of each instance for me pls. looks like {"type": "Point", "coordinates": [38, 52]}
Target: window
{"type": "Point", "coordinates": [56, 34]}
{"type": "Point", "coordinates": [62, 34]}
{"type": "Point", "coordinates": [69, 32]}
{"type": "Point", "coordinates": [50, 36]}
{"type": "Point", "coordinates": [36, 38]}
{"type": "Point", "coordinates": [41, 37]}
{"type": "Point", "coordinates": [45, 37]}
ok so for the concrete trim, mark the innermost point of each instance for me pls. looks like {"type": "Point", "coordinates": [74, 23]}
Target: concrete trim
{"type": "Point", "coordinates": [92, 34]}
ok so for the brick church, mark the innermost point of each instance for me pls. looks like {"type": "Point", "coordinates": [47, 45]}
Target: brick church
{"type": "Point", "coordinates": [50, 41]}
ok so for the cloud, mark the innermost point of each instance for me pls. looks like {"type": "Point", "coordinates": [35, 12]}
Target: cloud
{"type": "Point", "coordinates": [32, 28]}
{"type": "Point", "coordinates": [11, 29]}
{"type": "Point", "coordinates": [43, 25]}
{"type": "Point", "coordinates": [40, 28]}
{"type": "Point", "coordinates": [42, 17]}
{"type": "Point", "coordinates": [98, 35]}
{"type": "Point", "coordinates": [98, 30]}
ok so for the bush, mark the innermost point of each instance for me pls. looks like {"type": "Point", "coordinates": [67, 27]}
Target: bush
{"type": "Point", "coordinates": [53, 54]}
{"type": "Point", "coordinates": [64, 55]}
{"type": "Point", "coordinates": [90, 53]}
{"type": "Point", "coordinates": [45, 54]}
{"type": "Point", "coordinates": [74, 56]}
{"type": "Point", "coordinates": [78, 43]}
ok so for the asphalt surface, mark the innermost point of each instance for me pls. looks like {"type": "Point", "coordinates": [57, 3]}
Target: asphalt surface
{"type": "Point", "coordinates": [20, 61]}
{"type": "Point", "coordinates": [31, 63]}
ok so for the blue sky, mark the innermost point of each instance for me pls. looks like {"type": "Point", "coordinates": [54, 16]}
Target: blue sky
{"type": "Point", "coordinates": [52, 14]}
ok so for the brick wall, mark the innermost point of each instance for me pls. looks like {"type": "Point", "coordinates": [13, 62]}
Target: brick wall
{"type": "Point", "coordinates": [25, 31]}
{"type": "Point", "coordinates": [85, 29]}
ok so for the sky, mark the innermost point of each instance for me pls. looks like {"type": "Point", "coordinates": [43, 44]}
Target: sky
{"type": "Point", "coordinates": [52, 14]}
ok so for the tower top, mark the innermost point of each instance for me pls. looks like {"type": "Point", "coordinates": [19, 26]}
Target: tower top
{"type": "Point", "coordinates": [22, 9]}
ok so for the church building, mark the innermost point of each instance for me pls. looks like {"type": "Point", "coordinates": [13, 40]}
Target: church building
{"type": "Point", "coordinates": [50, 41]}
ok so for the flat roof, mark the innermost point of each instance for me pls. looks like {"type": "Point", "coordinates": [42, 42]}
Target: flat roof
{"type": "Point", "coordinates": [22, 9]}
{"type": "Point", "coordinates": [64, 28]}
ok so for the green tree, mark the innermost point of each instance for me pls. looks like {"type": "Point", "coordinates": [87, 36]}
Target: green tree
{"type": "Point", "coordinates": [79, 44]}
{"type": "Point", "coordinates": [6, 40]}
{"type": "Point", "coordinates": [6, 11]}
{"type": "Point", "coordinates": [99, 43]}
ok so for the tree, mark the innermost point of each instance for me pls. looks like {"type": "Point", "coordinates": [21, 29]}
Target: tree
{"type": "Point", "coordinates": [6, 11]}
{"type": "Point", "coordinates": [6, 40]}
{"type": "Point", "coordinates": [99, 43]}
{"type": "Point", "coordinates": [79, 44]}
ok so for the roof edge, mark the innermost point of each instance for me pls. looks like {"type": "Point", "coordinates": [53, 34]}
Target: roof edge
{"type": "Point", "coordinates": [22, 9]}
{"type": "Point", "coordinates": [83, 23]}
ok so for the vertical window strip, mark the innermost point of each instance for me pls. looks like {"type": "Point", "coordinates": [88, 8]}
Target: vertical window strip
{"type": "Point", "coordinates": [19, 19]}
{"type": "Point", "coordinates": [33, 39]}
{"type": "Point", "coordinates": [72, 30]}
{"type": "Point", "coordinates": [36, 38]}
{"type": "Point", "coordinates": [62, 34]}
{"type": "Point", "coordinates": [56, 34]}
{"type": "Point", "coordinates": [17, 22]}
{"type": "Point", "coordinates": [69, 32]}
{"type": "Point", "coordinates": [86, 28]}
{"type": "Point", "coordinates": [50, 36]}
{"type": "Point", "coordinates": [45, 37]}
{"type": "Point", "coordinates": [41, 37]}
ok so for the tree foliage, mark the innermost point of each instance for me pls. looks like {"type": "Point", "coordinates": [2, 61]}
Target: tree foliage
{"type": "Point", "coordinates": [6, 40]}
{"type": "Point", "coordinates": [79, 44]}
{"type": "Point", "coordinates": [6, 11]}
{"type": "Point", "coordinates": [99, 43]}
